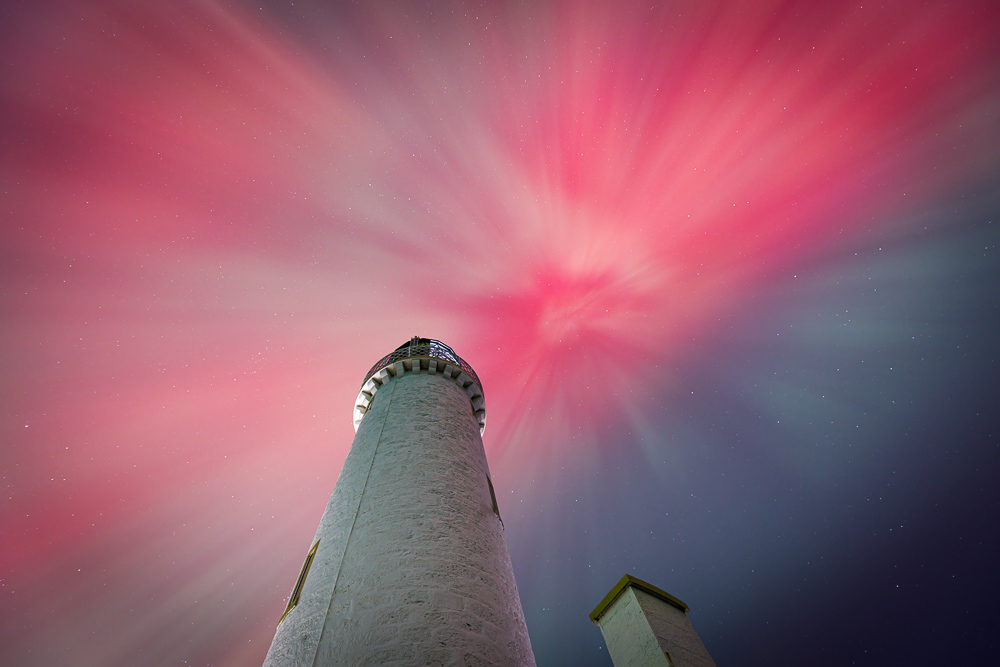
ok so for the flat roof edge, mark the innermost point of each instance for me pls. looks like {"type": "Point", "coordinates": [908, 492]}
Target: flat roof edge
{"type": "Point", "coordinates": [629, 580]}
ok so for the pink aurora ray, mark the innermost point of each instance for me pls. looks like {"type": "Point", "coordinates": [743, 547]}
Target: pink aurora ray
{"type": "Point", "coordinates": [215, 218]}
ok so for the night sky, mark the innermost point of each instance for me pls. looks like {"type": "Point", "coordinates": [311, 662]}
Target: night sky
{"type": "Point", "coordinates": [729, 273]}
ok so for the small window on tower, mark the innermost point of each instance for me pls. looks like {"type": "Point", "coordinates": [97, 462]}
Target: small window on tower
{"type": "Point", "coordinates": [493, 497]}
{"type": "Point", "coordinates": [297, 591]}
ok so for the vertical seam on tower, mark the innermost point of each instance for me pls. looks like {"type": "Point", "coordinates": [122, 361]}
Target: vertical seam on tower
{"type": "Point", "coordinates": [357, 511]}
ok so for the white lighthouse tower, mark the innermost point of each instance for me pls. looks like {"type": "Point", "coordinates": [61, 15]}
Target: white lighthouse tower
{"type": "Point", "coordinates": [409, 565]}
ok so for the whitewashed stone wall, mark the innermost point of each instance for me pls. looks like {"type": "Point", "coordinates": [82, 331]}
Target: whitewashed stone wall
{"type": "Point", "coordinates": [412, 566]}
{"type": "Point", "coordinates": [641, 630]}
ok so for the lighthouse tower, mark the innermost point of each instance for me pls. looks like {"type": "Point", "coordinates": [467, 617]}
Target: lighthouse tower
{"type": "Point", "coordinates": [409, 565]}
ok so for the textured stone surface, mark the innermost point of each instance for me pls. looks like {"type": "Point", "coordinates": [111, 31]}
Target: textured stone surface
{"type": "Point", "coordinates": [641, 629]}
{"type": "Point", "coordinates": [674, 632]}
{"type": "Point", "coordinates": [630, 640]}
{"type": "Point", "coordinates": [412, 567]}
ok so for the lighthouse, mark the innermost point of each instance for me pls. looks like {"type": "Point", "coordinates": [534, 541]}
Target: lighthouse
{"type": "Point", "coordinates": [409, 565]}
